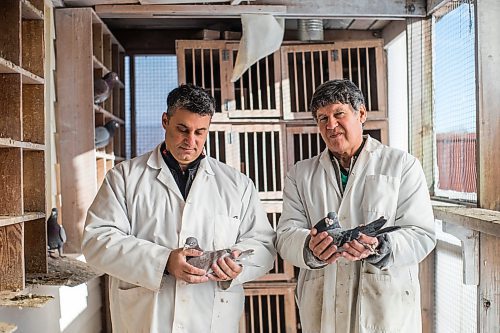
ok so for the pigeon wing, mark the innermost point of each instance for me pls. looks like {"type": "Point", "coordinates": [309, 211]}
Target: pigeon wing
{"type": "Point", "coordinates": [101, 91]}
{"type": "Point", "coordinates": [62, 235]}
{"type": "Point", "coordinates": [101, 137]}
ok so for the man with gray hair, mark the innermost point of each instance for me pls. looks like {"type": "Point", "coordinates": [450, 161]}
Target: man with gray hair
{"type": "Point", "coordinates": [369, 282]}
{"type": "Point", "coordinates": [148, 207]}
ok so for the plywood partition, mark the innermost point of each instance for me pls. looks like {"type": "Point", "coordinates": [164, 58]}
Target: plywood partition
{"type": "Point", "coordinates": [11, 181]}
{"type": "Point", "coordinates": [34, 180]}
{"type": "Point", "coordinates": [10, 38]}
{"type": "Point", "coordinates": [33, 119]}
{"type": "Point", "coordinates": [33, 46]}
{"type": "Point", "coordinates": [97, 41]}
{"type": "Point", "coordinates": [10, 100]}
{"type": "Point", "coordinates": [35, 246]}
{"type": "Point", "coordinates": [11, 257]}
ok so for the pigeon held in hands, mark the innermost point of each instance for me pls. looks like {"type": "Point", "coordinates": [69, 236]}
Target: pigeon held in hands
{"type": "Point", "coordinates": [56, 236]}
{"type": "Point", "coordinates": [208, 258]}
{"type": "Point", "coordinates": [104, 86]}
{"type": "Point", "coordinates": [331, 225]}
{"type": "Point", "coordinates": [103, 134]}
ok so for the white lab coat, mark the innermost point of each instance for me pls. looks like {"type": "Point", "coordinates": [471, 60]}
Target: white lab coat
{"type": "Point", "coordinates": [357, 297]}
{"type": "Point", "coordinates": [139, 216]}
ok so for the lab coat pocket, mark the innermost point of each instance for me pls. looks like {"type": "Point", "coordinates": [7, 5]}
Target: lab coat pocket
{"type": "Point", "coordinates": [310, 303]}
{"type": "Point", "coordinates": [380, 195]}
{"type": "Point", "coordinates": [228, 307]}
{"type": "Point", "coordinates": [136, 308]}
{"type": "Point", "coordinates": [226, 231]}
{"type": "Point", "coordinates": [385, 303]}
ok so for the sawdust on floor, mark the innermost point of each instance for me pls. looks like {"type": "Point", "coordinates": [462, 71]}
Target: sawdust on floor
{"type": "Point", "coordinates": [64, 271]}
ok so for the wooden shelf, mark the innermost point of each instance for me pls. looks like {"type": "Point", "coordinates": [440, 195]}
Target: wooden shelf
{"type": "Point", "coordinates": [103, 155]}
{"type": "Point", "coordinates": [9, 143]}
{"type": "Point", "coordinates": [30, 12]}
{"type": "Point", "coordinates": [9, 220]}
{"type": "Point", "coordinates": [7, 67]}
{"type": "Point", "coordinates": [108, 114]}
{"type": "Point", "coordinates": [7, 328]}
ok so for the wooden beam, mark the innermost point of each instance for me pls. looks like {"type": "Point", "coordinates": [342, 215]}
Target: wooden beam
{"type": "Point", "coordinates": [186, 11]}
{"type": "Point", "coordinates": [489, 288]}
{"type": "Point", "coordinates": [373, 9]}
{"type": "Point", "coordinates": [488, 99]}
{"type": "Point", "coordinates": [483, 220]}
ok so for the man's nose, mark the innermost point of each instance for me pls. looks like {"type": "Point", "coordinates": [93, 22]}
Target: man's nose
{"type": "Point", "coordinates": [332, 123]}
{"type": "Point", "coordinates": [190, 139]}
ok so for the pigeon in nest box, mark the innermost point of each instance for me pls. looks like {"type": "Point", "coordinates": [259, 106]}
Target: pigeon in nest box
{"type": "Point", "coordinates": [208, 258]}
{"type": "Point", "coordinates": [56, 236]}
{"type": "Point", "coordinates": [103, 134]}
{"type": "Point", "coordinates": [104, 86]}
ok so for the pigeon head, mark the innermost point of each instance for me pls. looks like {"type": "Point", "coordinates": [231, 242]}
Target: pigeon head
{"type": "Point", "coordinates": [191, 243]}
{"type": "Point", "coordinates": [111, 78]}
{"type": "Point", "coordinates": [53, 212]}
{"type": "Point", "coordinates": [111, 126]}
{"type": "Point", "coordinates": [330, 222]}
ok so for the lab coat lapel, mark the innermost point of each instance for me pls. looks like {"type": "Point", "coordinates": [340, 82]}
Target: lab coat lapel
{"type": "Point", "coordinates": [360, 164]}
{"type": "Point", "coordinates": [326, 163]}
{"type": "Point", "coordinates": [165, 175]}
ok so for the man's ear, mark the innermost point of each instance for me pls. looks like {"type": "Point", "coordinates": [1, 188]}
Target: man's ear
{"type": "Point", "coordinates": [164, 120]}
{"type": "Point", "coordinates": [362, 113]}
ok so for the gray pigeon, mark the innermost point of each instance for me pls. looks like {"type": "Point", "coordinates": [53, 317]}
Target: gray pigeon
{"type": "Point", "coordinates": [56, 236]}
{"type": "Point", "coordinates": [103, 134]}
{"type": "Point", "coordinates": [340, 237]}
{"type": "Point", "coordinates": [208, 258]}
{"type": "Point", "coordinates": [104, 86]}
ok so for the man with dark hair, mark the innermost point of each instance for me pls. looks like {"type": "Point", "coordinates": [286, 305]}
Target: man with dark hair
{"type": "Point", "coordinates": [149, 206]}
{"type": "Point", "coordinates": [370, 283]}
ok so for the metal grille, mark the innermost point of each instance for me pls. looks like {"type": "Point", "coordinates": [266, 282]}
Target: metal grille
{"type": "Point", "coordinates": [269, 308]}
{"type": "Point", "coordinates": [261, 157]}
{"type": "Point", "coordinates": [359, 65]}
{"type": "Point", "coordinates": [456, 303]}
{"type": "Point", "coordinates": [216, 144]}
{"type": "Point", "coordinates": [303, 143]}
{"type": "Point", "coordinates": [281, 271]}
{"type": "Point", "coordinates": [202, 68]}
{"type": "Point", "coordinates": [204, 63]}
{"type": "Point", "coordinates": [155, 77]}
{"type": "Point", "coordinates": [256, 93]}
{"type": "Point", "coordinates": [455, 102]}
{"type": "Point", "coordinates": [305, 67]}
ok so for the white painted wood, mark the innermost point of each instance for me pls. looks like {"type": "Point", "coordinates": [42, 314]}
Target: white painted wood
{"type": "Point", "coordinates": [470, 251]}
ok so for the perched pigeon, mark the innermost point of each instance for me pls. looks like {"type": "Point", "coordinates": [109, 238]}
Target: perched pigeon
{"type": "Point", "coordinates": [104, 86]}
{"type": "Point", "coordinates": [56, 236]}
{"type": "Point", "coordinates": [103, 134]}
{"type": "Point", "coordinates": [208, 258]}
{"type": "Point", "coordinates": [340, 237]}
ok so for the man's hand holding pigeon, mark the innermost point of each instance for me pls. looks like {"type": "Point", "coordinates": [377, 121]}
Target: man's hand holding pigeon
{"type": "Point", "coordinates": [178, 267]}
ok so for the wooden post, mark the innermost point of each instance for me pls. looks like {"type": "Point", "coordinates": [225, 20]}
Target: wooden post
{"type": "Point", "coordinates": [488, 150]}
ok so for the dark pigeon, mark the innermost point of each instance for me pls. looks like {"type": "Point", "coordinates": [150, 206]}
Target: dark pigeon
{"type": "Point", "coordinates": [104, 86]}
{"type": "Point", "coordinates": [208, 258]}
{"type": "Point", "coordinates": [340, 237]}
{"type": "Point", "coordinates": [56, 236]}
{"type": "Point", "coordinates": [103, 134]}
